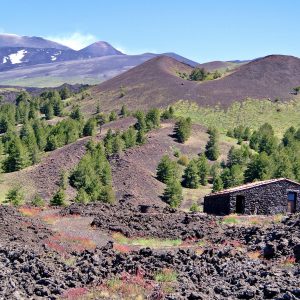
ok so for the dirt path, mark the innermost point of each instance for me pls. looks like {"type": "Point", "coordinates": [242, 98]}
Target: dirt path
{"type": "Point", "coordinates": [74, 228]}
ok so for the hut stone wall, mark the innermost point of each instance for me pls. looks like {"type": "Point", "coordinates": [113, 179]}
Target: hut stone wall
{"type": "Point", "coordinates": [271, 198]}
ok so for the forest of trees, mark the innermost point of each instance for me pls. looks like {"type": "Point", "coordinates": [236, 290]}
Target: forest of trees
{"type": "Point", "coordinates": [260, 155]}
{"type": "Point", "coordinates": [169, 172]}
{"type": "Point", "coordinates": [200, 74]}
{"type": "Point", "coordinates": [26, 134]}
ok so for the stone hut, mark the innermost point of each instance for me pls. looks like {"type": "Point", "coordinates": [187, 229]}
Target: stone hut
{"type": "Point", "coordinates": [266, 197]}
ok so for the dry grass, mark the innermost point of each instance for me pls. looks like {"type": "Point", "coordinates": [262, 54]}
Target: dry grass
{"type": "Point", "coordinates": [125, 286]}
{"type": "Point", "coordinates": [75, 293]}
{"type": "Point", "coordinates": [251, 220]}
{"type": "Point", "coordinates": [29, 211]}
{"type": "Point", "coordinates": [166, 275]}
{"type": "Point", "coordinates": [288, 262]}
{"type": "Point", "coordinates": [145, 242]}
{"type": "Point", "coordinates": [254, 255]}
{"type": "Point", "coordinates": [63, 243]}
{"type": "Point", "coordinates": [50, 219]}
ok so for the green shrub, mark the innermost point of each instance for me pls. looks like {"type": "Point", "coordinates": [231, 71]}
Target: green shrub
{"type": "Point", "coordinates": [194, 207]}
{"type": "Point", "coordinates": [173, 193]}
{"type": "Point", "coordinates": [58, 199]}
{"type": "Point", "coordinates": [183, 160]}
{"type": "Point", "coordinates": [15, 197]}
{"type": "Point", "coordinates": [38, 201]}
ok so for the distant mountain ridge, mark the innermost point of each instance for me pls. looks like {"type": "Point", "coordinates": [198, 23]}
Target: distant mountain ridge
{"type": "Point", "coordinates": [21, 52]}
{"type": "Point", "coordinates": [13, 40]}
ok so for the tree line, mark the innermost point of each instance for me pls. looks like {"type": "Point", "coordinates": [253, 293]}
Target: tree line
{"type": "Point", "coordinates": [262, 156]}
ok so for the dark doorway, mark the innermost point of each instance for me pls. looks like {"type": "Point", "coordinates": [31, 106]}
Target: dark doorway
{"type": "Point", "coordinates": [291, 208]}
{"type": "Point", "coordinates": [240, 204]}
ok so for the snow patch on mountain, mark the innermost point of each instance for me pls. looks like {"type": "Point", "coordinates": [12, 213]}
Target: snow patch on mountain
{"type": "Point", "coordinates": [5, 59]}
{"type": "Point", "coordinates": [16, 58]}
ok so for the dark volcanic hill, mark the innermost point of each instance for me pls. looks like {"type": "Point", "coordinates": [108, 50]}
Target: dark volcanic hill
{"type": "Point", "coordinates": [99, 49]}
{"type": "Point", "coordinates": [156, 83]}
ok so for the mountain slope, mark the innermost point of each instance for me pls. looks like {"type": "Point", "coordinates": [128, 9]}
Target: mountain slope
{"type": "Point", "coordinates": [155, 83]}
{"type": "Point", "coordinates": [13, 40]}
{"type": "Point", "coordinates": [85, 71]}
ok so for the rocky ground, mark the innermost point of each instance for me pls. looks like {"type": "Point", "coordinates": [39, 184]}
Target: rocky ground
{"type": "Point", "coordinates": [216, 260]}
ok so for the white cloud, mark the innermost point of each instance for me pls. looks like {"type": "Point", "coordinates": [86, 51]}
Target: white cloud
{"type": "Point", "coordinates": [75, 40]}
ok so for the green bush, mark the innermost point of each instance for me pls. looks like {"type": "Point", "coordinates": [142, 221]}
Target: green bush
{"type": "Point", "coordinates": [15, 197]}
{"type": "Point", "coordinates": [59, 198]}
{"type": "Point", "coordinates": [183, 160]}
{"type": "Point", "coordinates": [38, 201]}
{"type": "Point", "coordinates": [194, 207]}
{"type": "Point", "coordinates": [173, 193]}
{"type": "Point", "coordinates": [183, 129]}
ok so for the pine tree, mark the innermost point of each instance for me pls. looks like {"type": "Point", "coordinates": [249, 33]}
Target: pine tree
{"type": "Point", "coordinates": [113, 116]}
{"type": "Point", "coordinates": [167, 169]}
{"type": "Point", "coordinates": [107, 194]}
{"type": "Point", "coordinates": [153, 118]}
{"type": "Point", "coordinates": [173, 193]}
{"type": "Point", "coordinates": [29, 140]}
{"type": "Point", "coordinates": [118, 144]}
{"type": "Point", "coordinates": [59, 198]}
{"type": "Point", "coordinates": [38, 201]}
{"type": "Point", "coordinates": [259, 168]}
{"type": "Point", "coordinates": [49, 111]}
{"type": "Point", "coordinates": [141, 122]}
{"type": "Point", "coordinates": [203, 169]}
{"type": "Point", "coordinates": [15, 196]}
{"type": "Point", "coordinates": [212, 149]}
{"type": "Point", "coordinates": [217, 184]}
{"type": "Point", "coordinates": [65, 93]}
{"type": "Point", "coordinates": [40, 132]}
{"type": "Point", "coordinates": [63, 180]}
{"type": "Point", "coordinates": [124, 111]}
{"type": "Point", "coordinates": [140, 137]}
{"type": "Point", "coordinates": [58, 107]}
{"type": "Point", "coordinates": [183, 129]}
{"type": "Point", "coordinates": [76, 113]}
{"type": "Point", "coordinates": [191, 178]}
{"type": "Point", "coordinates": [89, 128]}
{"type": "Point", "coordinates": [82, 196]}
{"type": "Point", "coordinates": [130, 136]}
{"type": "Point", "coordinates": [18, 157]}
{"type": "Point", "coordinates": [98, 108]}
{"type": "Point", "coordinates": [283, 165]}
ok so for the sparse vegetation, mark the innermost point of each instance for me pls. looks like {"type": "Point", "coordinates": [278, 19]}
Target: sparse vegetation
{"type": "Point", "coordinates": [195, 207]}
{"type": "Point", "coordinates": [38, 201]}
{"type": "Point", "coordinates": [166, 275]}
{"type": "Point", "coordinates": [147, 241]}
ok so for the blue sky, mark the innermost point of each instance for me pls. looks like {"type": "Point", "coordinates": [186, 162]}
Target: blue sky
{"type": "Point", "coordinates": [199, 30]}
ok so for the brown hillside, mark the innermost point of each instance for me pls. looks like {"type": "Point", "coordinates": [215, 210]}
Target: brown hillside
{"type": "Point", "coordinates": [215, 65]}
{"type": "Point", "coordinates": [156, 83]}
